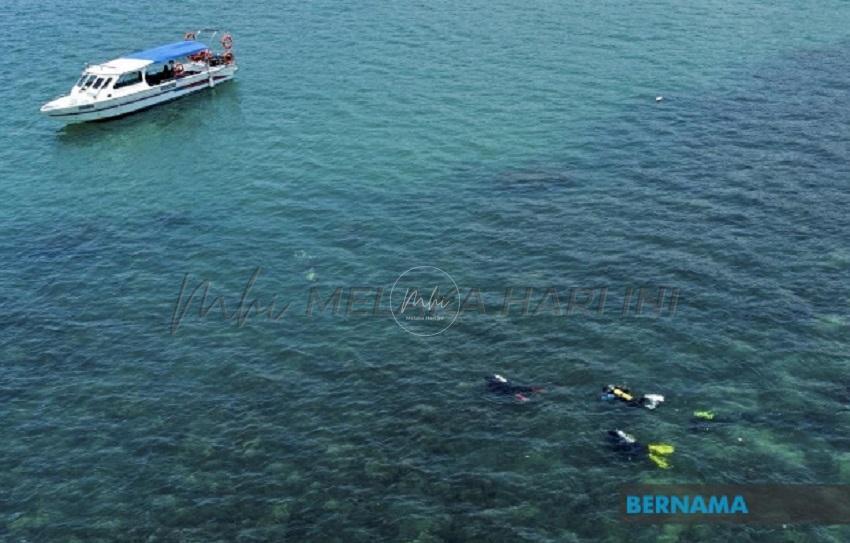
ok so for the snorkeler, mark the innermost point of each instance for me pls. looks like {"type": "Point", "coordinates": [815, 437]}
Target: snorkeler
{"type": "Point", "coordinates": [630, 447]}
{"type": "Point", "coordinates": [707, 420]}
{"type": "Point", "coordinates": [619, 392]}
{"type": "Point", "coordinates": [499, 385]}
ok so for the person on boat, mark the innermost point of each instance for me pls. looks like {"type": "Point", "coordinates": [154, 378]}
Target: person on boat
{"type": "Point", "coordinates": [631, 448]}
{"type": "Point", "coordinates": [168, 71]}
{"type": "Point", "coordinates": [619, 392]}
{"type": "Point", "coordinates": [499, 385]}
{"type": "Point", "coordinates": [154, 79]}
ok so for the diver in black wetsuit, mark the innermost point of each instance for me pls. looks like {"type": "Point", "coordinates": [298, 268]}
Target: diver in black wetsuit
{"type": "Point", "coordinates": [499, 385]}
{"type": "Point", "coordinates": [628, 446]}
{"type": "Point", "coordinates": [625, 443]}
{"type": "Point", "coordinates": [619, 392]}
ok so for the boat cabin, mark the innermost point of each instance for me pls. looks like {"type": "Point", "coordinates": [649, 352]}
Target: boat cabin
{"type": "Point", "coordinates": [148, 68]}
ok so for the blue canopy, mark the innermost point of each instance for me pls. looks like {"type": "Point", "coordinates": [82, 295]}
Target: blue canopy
{"type": "Point", "coordinates": [164, 53]}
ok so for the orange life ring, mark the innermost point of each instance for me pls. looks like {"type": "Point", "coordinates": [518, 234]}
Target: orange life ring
{"type": "Point", "coordinates": [189, 36]}
{"type": "Point", "coordinates": [227, 41]}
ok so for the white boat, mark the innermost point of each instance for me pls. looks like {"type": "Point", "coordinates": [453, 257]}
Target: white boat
{"type": "Point", "coordinates": [144, 79]}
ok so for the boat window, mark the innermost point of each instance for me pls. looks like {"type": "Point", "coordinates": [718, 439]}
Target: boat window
{"type": "Point", "coordinates": [156, 74]}
{"type": "Point", "coordinates": [89, 81]}
{"type": "Point", "coordinates": [98, 82]}
{"type": "Point", "coordinates": [128, 79]}
{"type": "Point", "coordinates": [107, 82]}
{"type": "Point", "coordinates": [82, 80]}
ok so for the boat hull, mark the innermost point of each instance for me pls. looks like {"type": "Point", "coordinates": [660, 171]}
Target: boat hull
{"type": "Point", "coordinates": [118, 107]}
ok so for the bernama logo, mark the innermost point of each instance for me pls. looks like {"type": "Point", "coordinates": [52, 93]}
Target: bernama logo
{"type": "Point", "coordinates": [659, 504]}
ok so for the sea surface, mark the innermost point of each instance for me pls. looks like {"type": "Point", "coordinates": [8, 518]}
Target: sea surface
{"type": "Point", "coordinates": [512, 145]}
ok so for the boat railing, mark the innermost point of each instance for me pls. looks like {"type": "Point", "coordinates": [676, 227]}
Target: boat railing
{"type": "Point", "coordinates": [210, 32]}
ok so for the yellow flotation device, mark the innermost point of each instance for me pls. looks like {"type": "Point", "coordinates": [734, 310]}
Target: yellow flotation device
{"type": "Point", "coordinates": [622, 394]}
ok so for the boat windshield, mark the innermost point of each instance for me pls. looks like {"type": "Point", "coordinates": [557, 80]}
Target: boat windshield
{"type": "Point", "coordinates": [86, 81]}
{"type": "Point", "coordinates": [101, 82]}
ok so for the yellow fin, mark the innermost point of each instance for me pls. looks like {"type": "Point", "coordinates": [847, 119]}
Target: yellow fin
{"type": "Point", "coordinates": [659, 461]}
{"type": "Point", "coordinates": [707, 415]}
{"type": "Point", "coordinates": [661, 448]}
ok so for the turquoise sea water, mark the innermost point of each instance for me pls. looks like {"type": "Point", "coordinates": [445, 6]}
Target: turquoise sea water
{"type": "Point", "coordinates": [509, 144]}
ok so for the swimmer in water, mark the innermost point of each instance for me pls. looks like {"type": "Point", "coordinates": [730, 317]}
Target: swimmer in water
{"type": "Point", "coordinates": [619, 392]}
{"type": "Point", "coordinates": [707, 420]}
{"type": "Point", "coordinates": [499, 385]}
{"type": "Point", "coordinates": [627, 445]}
